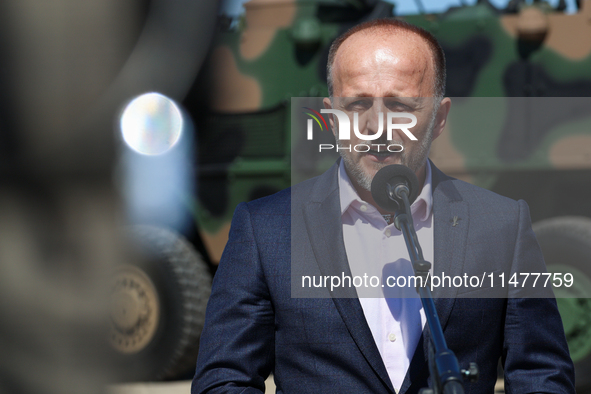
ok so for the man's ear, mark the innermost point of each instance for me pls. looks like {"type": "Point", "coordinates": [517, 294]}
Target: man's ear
{"type": "Point", "coordinates": [328, 105]}
{"type": "Point", "coordinates": [441, 117]}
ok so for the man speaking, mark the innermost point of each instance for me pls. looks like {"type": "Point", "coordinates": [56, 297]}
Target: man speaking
{"type": "Point", "coordinates": [377, 344]}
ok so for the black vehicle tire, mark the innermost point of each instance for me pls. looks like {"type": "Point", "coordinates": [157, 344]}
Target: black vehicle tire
{"type": "Point", "coordinates": [566, 244]}
{"type": "Point", "coordinates": [159, 307]}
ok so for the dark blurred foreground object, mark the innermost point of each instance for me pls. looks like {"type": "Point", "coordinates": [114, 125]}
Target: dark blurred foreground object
{"type": "Point", "coordinates": [66, 68]}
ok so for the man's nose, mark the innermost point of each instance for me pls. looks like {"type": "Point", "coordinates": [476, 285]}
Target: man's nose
{"type": "Point", "coordinates": [376, 119]}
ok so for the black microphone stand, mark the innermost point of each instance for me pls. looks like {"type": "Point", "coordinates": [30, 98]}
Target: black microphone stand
{"type": "Point", "coordinates": [446, 376]}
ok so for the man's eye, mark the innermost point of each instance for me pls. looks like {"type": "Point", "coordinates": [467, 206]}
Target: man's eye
{"type": "Point", "coordinates": [396, 106]}
{"type": "Point", "coordinates": [359, 105]}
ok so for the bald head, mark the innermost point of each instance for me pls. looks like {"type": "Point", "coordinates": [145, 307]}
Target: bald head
{"type": "Point", "coordinates": [395, 65]}
{"type": "Point", "coordinates": [383, 42]}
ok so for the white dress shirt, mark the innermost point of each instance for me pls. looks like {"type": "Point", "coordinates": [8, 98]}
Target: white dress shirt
{"type": "Point", "coordinates": [375, 249]}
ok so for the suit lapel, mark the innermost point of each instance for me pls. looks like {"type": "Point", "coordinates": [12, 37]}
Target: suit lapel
{"type": "Point", "coordinates": [449, 250]}
{"type": "Point", "coordinates": [323, 222]}
{"type": "Point", "coordinates": [451, 223]}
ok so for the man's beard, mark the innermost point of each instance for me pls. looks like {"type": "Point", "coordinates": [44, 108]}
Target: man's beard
{"type": "Point", "coordinates": [413, 161]}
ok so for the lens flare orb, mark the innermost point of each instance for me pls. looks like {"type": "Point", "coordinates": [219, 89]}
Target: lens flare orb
{"type": "Point", "coordinates": [151, 124]}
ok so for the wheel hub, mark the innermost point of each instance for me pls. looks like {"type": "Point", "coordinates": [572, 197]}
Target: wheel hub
{"type": "Point", "coordinates": [135, 310]}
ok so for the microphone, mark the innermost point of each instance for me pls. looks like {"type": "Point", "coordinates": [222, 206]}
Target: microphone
{"type": "Point", "coordinates": [390, 183]}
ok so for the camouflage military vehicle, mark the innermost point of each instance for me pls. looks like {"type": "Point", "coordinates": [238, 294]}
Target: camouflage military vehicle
{"type": "Point", "coordinates": [521, 148]}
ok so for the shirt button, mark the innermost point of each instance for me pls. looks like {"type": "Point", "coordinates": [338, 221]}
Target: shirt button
{"type": "Point", "coordinates": [363, 208]}
{"type": "Point", "coordinates": [392, 337]}
{"type": "Point", "coordinates": [388, 232]}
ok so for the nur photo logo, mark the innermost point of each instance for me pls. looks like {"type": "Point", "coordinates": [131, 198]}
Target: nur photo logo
{"type": "Point", "coordinates": [344, 129]}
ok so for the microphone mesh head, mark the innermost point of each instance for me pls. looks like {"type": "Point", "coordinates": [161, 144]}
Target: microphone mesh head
{"type": "Point", "coordinates": [393, 175]}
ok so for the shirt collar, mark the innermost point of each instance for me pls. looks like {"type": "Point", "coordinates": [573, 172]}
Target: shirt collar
{"type": "Point", "coordinates": [420, 209]}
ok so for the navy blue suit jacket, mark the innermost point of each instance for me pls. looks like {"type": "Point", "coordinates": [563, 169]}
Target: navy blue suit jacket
{"type": "Point", "coordinates": [254, 327]}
